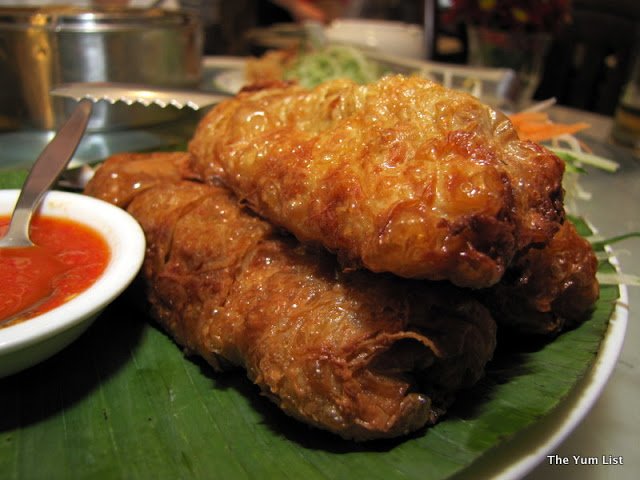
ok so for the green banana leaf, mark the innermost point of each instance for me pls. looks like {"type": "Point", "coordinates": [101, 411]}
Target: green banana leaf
{"type": "Point", "coordinates": [124, 402]}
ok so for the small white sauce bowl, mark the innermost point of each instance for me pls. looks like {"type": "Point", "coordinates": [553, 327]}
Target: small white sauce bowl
{"type": "Point", "coordinates": [36, 339]}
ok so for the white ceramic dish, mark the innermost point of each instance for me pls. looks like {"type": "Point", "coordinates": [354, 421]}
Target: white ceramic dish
{"type": "Point", "coordinates": [34, 340]}
{"type": "Point", "coordinates": [395, 38]}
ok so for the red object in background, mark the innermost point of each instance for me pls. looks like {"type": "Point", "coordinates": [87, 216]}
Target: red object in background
{"type": "Point", "coordinates": [68, 258]}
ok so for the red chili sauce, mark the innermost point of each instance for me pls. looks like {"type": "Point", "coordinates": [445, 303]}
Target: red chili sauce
{"type": "Point", "coordinates": [68, 258]}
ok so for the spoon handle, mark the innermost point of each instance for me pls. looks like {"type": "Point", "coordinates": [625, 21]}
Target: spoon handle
{"type": "Point", "coordinates": [47, 168]}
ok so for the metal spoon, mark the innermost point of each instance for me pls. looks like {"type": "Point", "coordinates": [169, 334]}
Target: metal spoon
{"type": "Point", "coordinates": [47, 168]}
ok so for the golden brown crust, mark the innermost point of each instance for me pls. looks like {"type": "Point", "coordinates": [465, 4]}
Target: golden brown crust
{"type": "Point", "coordinates": [362, 355]}
{"type": "Point", "coordinates": [398, 176]}
{"type": "Point", "coordinates": [125, 175]}
{"type": "Point", "coordinates": [548, 290]}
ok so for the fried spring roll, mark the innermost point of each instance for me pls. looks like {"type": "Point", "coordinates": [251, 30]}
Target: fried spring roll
{"type": "Point", "coordinates": [364, 356]}
{"type": "Point", "coordinates": [400, 176]}
{"type": "Point", "coordinates": [548, 290]}
{"type": "Point", "coordinates": [125, 175]}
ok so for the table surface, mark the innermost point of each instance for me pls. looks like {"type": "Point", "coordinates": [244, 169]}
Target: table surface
{"type": "Point", "coordinates": [612, 427]}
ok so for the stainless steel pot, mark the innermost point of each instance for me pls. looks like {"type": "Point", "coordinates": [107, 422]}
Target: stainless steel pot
{"type": "Point", "coordinates": [41, 48]}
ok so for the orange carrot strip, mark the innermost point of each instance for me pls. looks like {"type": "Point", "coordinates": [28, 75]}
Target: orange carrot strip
{"type": "Point", "coordinates": [553, 130]}
{"type": "Point", "coordinates": [526, 117]}
{"type": "Point", "coordinates": [537, 127]}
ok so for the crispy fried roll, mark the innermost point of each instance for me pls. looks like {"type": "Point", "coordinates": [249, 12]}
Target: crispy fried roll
{"type": "Point", "coordinates": [365, 356]}
{"type": "Point", "coordinates": [125, 175]}
{"type": "Point", "coordinates": [400, 176]}
{"type": "Point", "coordinates": [548, 290]}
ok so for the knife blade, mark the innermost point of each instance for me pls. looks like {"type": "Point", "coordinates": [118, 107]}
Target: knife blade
{"type": "Point", "coordinates": [134, 93]}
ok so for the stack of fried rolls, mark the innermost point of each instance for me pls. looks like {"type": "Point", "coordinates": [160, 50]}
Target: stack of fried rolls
{"type": "Point", "coordinates": [350, 246]}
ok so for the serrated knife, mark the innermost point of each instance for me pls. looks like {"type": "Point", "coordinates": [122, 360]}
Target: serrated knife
{"type": "Point", "coordinates": [133, 93]}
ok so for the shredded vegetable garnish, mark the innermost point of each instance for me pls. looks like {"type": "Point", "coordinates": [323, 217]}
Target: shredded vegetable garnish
{"type": "Point", "coordinates": [333, 61]}
{"type": "Point", "coordinates": [576, 159]}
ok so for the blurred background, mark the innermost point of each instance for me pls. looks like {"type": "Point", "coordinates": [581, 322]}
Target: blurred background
{"type": "Point", "coordinates": [587, 61]}
{"type": "Point", "coordinates": [582, 53]}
